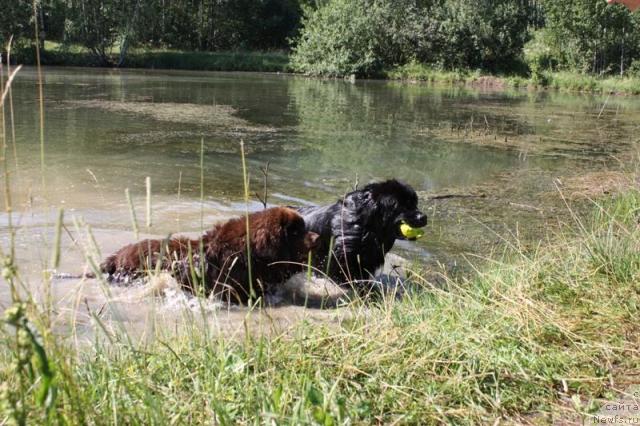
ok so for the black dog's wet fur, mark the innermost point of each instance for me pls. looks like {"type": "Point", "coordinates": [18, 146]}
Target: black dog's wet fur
{"type": "Point", "coordinates": [363, 227]}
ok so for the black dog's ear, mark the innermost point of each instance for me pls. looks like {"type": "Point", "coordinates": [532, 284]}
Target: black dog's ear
{"type": "Point", "coordinates": [380, 198]}
{"type": "Point", "coordinates": [374, 192]}
{"type": "Point", "coordinates": [387, 203]}
{"type": "Point", "coordinates": [369, 192]}
{"type": "Point", "coordinates": [367, 195]}
{"type": "Point", "coordinates": [352, 200]}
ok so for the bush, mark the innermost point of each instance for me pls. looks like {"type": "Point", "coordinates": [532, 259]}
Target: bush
{"type": "Point", "coordinates": [539, 56]}
{"type": "Point", "coordinates": [339, 39]}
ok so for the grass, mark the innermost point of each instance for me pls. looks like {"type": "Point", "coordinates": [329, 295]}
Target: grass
{"type": "Point", "coordinates": [209, 61]}
{"type": "Point", "coordinates": [417, 72]}
{"type": "Point", "coordinates": [587, 83]}
{"type": "Point", "coordinates": [556, 80]}
{"type": "Point", "coordinates": [74, 55]}
{"type": "Point", "coordinates": [530, 334]}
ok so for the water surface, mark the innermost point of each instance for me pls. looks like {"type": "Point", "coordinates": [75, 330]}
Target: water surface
{"type": "Point", "coordinates": [494, 161]}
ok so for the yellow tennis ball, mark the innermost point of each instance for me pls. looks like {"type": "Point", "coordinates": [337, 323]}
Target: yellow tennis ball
{"type": "Point", "coordinates": [410, 232]}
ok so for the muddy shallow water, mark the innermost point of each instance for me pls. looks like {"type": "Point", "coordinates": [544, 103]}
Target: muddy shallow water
{"type": "Point", "coordinates": [487, 166]}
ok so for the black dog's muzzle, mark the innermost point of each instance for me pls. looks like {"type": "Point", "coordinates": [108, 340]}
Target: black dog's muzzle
{"type": "Point", "coordinates": [415, 219]}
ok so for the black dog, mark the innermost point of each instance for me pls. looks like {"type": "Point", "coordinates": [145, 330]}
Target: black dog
{"type": "Point", "coordinates": [357, 231]}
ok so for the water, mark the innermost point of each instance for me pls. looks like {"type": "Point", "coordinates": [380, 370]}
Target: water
{"type": "Point", "coordinates": [496, 160]}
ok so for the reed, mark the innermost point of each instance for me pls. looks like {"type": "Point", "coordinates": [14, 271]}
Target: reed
{"type": "Point", "coordinates": [132, 213]}
{"type": "Point", "coordinates": [245, 185]}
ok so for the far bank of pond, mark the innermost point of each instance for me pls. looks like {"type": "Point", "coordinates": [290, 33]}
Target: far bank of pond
{"type": "Point", "coordinates": [278, 61]}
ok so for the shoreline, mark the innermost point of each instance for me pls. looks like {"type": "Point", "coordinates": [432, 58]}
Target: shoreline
{"type": "Point", "coordinates": [278, 62]}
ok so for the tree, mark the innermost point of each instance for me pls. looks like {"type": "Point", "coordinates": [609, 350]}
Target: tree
{"type": "Point", "coordinates": [591, 36]}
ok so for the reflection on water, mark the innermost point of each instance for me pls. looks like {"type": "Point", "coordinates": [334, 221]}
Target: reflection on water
{"type": "Point", "coordinates": [107, 130]}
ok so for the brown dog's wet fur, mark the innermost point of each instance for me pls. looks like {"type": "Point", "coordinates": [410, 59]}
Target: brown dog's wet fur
{"type": "Point", "coordinates": [217, 262]}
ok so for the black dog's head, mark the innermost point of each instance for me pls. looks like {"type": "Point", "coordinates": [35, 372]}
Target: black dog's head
{"type": "Point", "coordinates": [396, 202]}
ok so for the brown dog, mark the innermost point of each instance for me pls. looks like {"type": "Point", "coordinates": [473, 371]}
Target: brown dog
{"type": "Point", "coordinates": [217, 262]}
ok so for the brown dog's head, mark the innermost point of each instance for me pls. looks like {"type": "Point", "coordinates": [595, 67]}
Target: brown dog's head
{"type": "Point", "coordinates": [278, 234]}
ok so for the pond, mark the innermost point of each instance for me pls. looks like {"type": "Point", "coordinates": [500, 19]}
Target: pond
{"type": "Point", "coordinates": [488, 165]}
